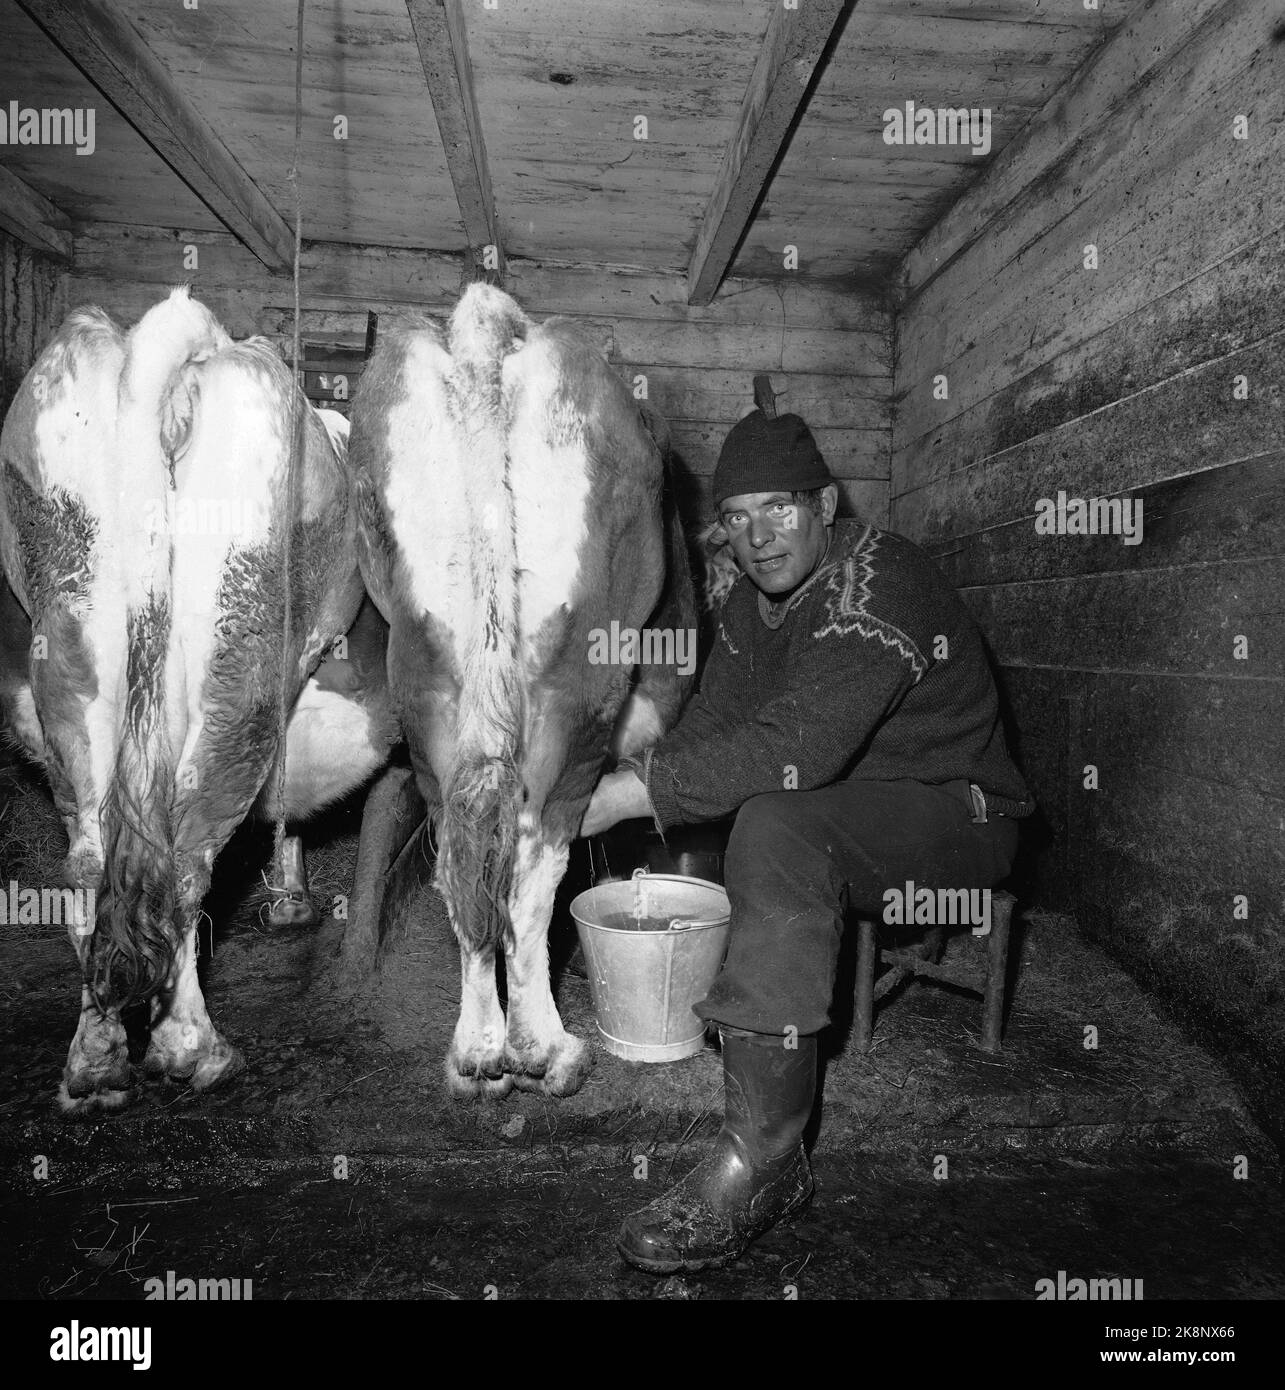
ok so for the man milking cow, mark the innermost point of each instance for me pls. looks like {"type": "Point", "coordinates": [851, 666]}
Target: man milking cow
{"type": "Point", "coordinates": [848, 716]}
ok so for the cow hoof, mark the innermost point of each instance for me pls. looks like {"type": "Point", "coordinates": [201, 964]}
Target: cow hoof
{"type": "Point", "coordinates": [475, 1064]}
{"type": "Point", "coordinates": [469, 1086]}
{"type": "Point", "coordinates": [202, 1069]}
{"type": "Point", "coordinates": [89, 1077]}
{"type": "Point", "coordinates": [220, 1065]}
{"type": "Point", "coordinates": [158, 1063]}
{"type": "Point", "coordinates": [83, 1107]}
{"type": "Point", "coordinates": [559, 1070]}
{"type": "Point", "coordinates": [292, 912]}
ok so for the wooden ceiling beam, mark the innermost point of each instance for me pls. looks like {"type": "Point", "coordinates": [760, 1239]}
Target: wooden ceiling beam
{"type": "Point", "coordinates": [32, 218]}
{"type": "Point", "coordinates": [113, 56]}
{"type": "Point", "coordinates": [443, 54]}
{"type": "Point", "coordinates": [792, 47]}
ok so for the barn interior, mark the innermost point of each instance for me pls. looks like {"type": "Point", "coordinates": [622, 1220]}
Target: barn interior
{"type": "Point", "coordinates": [1089, 305]}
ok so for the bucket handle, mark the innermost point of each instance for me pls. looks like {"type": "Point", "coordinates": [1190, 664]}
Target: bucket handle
{"type": "Point", "coordinates": [678, 923]}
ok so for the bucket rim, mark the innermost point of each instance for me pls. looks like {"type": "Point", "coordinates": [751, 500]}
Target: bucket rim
{"type": "Point", "coordinates": [656, 878]}
{"type": "Point", "coordinates": [698, 925]}
{"type": "Point", "coordinates": [668, 931]}
{"type": "Point", "coordinates": [668, 878]}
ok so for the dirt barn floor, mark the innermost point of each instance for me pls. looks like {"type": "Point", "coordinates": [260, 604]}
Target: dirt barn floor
{"type": "Point", "coordinates": [1114, 1162]}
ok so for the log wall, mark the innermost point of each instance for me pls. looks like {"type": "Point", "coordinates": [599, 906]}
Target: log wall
{"type": "Point", "coordinates": [1154, 377]}
{"type": "Point", "coordinates": [32, 299]}
{"type": "Point", "coordinates": [830, 349]}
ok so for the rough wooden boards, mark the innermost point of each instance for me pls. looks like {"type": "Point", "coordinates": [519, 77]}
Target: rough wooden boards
{"type": "Point", "coordinates": [1162, 857]}
{"type": "Point", "coordinates": [830, 351]}
{"type": "Point", "coordinates": [1189, 234]}
{"type": "Point", "coordinates": [1122, 382]}
{"type": "Point", "coordinates": [856, 450]}
{"type": "Point", "coordinates": [1223, 733]}
{"type": "Point", "coordinates": [1081, 329]}
{"type": "Point", "coordinates": [386, 181]}
{"type": "Point", "coordinates": [637, 344]}
{"type": "Point", "coordinates": [124, 178]}
{"type": "Point", "coordinates": [110, 52]}
{"type": "Point", "coordinates": [1186, 621]}
{"type": "Point", "coordinates": [848, 200]}
{"type": "Point", "coordinates": [792, 47]}
{"type": "Point", "coordinates": [1164, 191]}
{"type": "Point", "coordinates": [367, 274]}
{"type": "Point", "coordinates": [1125, 659]}
{"type": "Point", "coordinates": [1188, 809]}
{"type": "Point", "coordinates": [559, 85]}
{"type": "Point", "coordinates": [722, 395]}
{"type": "Point", "coordinates": [443, 51]}
{"type": "Point", "coordinates": [1190, 423]}
{"type": "Point", "coordinates": [33, 219]}
{"type": "Point", "coordinates": [1201, 319]}
{"type": "Point", "coordinates": [1094, 96]}
{"type": "Point", "coordinates": [1232, 512]}
{"type": "Point", "coordinates": [32, 304]}
{"type": "Point", "coordinates": [1174, 230]}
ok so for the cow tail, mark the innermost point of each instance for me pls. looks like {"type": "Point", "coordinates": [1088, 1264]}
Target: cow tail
{"type": "Point", "coordinates": [136, 935]}
{"type": "Point", "coordinates": [477, 824]}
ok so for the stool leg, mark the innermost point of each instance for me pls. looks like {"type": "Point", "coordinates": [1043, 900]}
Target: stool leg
{"type": "Point", "coordinates": [996, 970]}
{"type": "Point", "coordinates": [867, 954]}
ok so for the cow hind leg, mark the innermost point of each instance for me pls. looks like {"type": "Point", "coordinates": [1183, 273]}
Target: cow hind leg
{"type": "Point", "coordinates": [334, 743]}
{"type": "Point", "coordinates": [291, 906]}
{"type": "Point", "coordinates": [475, 1062]}
{"type": "Point", "coordinates": [538, 1051]}
{"type": "Point", "coordinates": [185, 1044]}
{"type": "Point", "coordinates": [18, 717]}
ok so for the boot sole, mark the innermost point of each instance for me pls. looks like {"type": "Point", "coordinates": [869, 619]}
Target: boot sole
{"type": "Point", "coordinates": [712, 1261]}
{"type": "Point", "coordinates": [678, 1266]}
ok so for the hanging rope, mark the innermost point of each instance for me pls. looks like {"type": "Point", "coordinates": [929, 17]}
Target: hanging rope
{"type": "Point", "coordinates": [296, 450]}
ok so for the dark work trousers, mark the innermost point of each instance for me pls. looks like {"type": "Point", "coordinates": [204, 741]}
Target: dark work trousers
{"type": "Point", "coordinates": [796, 859]}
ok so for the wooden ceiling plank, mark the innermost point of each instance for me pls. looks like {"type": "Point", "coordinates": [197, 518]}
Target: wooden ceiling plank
{"type": "Point", "coordinates": [112, 55]}
{"type": "Point", "coordinates": [32, 218]}
{"type": "Point", "coordinates": [792, 46]}
{"type": "Point", "coordinates": [443, 52]}
{"type": "Point", "coordinates": [1096, 89]}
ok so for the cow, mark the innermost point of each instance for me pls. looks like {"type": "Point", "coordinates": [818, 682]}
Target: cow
{"type": "Point", "coordinates": [512, 507]}
{"type": "Point", "coordinates": [146, 495]}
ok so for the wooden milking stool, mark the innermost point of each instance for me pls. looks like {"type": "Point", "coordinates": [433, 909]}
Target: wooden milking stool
{"type": "Point", "coordinates": [924, 962]}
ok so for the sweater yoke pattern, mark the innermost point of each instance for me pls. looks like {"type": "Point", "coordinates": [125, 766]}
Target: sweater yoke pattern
{"type": "Point", "coordinates": [847, 605]}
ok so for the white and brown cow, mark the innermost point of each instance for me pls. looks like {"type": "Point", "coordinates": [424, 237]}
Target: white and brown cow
{"type": "Point", "coordinates": [511, 508]}
{"type": "Point", "coordinates": [143, 510]}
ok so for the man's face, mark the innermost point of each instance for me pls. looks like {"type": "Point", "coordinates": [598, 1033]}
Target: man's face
{"type": "Point", "coordinates": [776, 541]}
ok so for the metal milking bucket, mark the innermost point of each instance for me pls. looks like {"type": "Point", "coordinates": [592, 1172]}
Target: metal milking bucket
{"type": "Point", "coordinates": [652, 945]}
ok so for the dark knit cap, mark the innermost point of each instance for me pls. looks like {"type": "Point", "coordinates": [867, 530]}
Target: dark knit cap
{"type": "Point", "coordinates": [762, 455]}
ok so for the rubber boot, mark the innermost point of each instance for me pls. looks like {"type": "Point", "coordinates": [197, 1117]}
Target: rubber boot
{"type": "Point", "coordinates": [757, 1173]}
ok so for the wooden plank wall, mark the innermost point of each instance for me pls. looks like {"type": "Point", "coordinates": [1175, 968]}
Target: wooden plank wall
{"type": "Point", "coordinates": [831, 348]}
{"type": "Point", "coordinates": [31, 307]}
{"type": "Point", "coordinates": [1121, 381]}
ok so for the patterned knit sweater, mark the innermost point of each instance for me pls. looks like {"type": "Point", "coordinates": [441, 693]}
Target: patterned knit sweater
{"type": "Point", "coordinates": [876, 671]}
